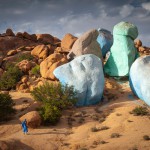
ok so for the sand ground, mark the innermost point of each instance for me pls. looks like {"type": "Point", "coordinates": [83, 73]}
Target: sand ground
{"type": "Point", "coordinates": [113, 113]}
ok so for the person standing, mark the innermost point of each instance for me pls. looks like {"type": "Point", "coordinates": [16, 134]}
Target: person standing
{"type": "Point", "coordinates": [24, 126]}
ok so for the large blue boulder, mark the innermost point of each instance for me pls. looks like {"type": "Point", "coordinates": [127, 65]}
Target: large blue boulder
{"type": "Point", "coordinates": [85, 73]}
{"type": "Point", "coordinates": [139, 78]}
{"type": "Point", "coordinates": [105, 39]}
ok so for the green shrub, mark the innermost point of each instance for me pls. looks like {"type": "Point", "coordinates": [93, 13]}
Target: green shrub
{"type": "Point", "coordinates": [24, 57]}
{"type": "Point", "coordinates": [6, 106]}
{"type": "Point", "coordinates": [54, 98]}
{"type": "Point", "coordinates": [36, 70]}
{"type": "Point", "coordinates": [140, 111]}
{"type": "Point", "coordinates": [9, 78]}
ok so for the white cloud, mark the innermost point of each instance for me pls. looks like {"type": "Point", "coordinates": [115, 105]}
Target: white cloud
{"type": "Point", "coordinates": [126, 10]}
{"type": "Point", "coordinates": [18, 12]}
{"type": "Point", "coordinates": [146, 6]}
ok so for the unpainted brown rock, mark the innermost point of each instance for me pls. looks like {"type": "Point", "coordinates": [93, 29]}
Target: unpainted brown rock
{"type": "Point", "coordinates": [19, 34]}
{"type": "Point", "coordinates": [24, 65]}
{"type": "Point", "coordinates": [33, 119]}
{"type": "Point", "coordinates": [45, 38]}
{"type": "Point", "coordinates": [14, 58]}
{"type": "Point", "coordinates": [141, 49]}
{"type": "Point", "coordinates": [40, 51]}
{"type": "Point", "coordinates": [68, 41]}
{"type": "Point", "coordinates": [50, 64]}
{"type": "Point", "coordinates": [24, 79]}
{"type": "Point", "coordinates": [138, 43]}
{"type": "Point", "coordinates": [22, 87]}
{"type": "Point", "coordinates": [12, 52]}
{"type": "Point", "coordinates": [9, 32]}
{"type": "Point", "coordinates": [86, 44]}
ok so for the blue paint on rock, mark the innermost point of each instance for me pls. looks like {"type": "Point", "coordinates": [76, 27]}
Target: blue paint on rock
{"type": "Point", "coordinates": [105, 39]}
{"type": "Point", "coordinates": [85, 73]}
{"type": "Point", "coordinates": [139, 78]}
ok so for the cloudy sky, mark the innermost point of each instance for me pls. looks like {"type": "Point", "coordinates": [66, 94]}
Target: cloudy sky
{"type": "Point", "coordinates": [58, 17]}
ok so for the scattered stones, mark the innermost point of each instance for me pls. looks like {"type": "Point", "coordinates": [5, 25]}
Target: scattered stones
{"type": "Point", "coordinates": [89, 84]}
{"type": "Point", "coordinates": [123, 52]}
{"type": "Point", "coordinates": [86, 44]}
{"type": "Point", "coordinates": [33, 119]}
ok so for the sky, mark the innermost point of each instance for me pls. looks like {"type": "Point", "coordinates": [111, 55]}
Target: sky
{"type": "Point", "coordinates": [58, 17]}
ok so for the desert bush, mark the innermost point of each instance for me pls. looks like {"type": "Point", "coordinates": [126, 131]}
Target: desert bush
{"type": "Point", "coordinates": [54, 98]}
{"type": "Point", "coordinates": [140, 111]}
{"type": "Point", "coordinates": [6, 106]}
{"type": "Point", "coordinates": [9, 78]}
{"type": "Point", "coordinates": [146, 137]}
{"type": "Point", "coordinates": [94, 129]}
{"type": "Point", "coordinates": [24, 57]}
{"type": "Point", "coordinates": [115, 135]}
{"type": "Point", "coordinates": [36, 70]}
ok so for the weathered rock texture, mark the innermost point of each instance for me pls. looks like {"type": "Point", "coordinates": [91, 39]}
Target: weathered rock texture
{"type": "Point", "coordinates": [123, 52]}
{"type": "Point", "coordinates": [139, 78]}
{"type": "Point", "coordinates": [86, 44]}
{"type": "Point", "coordinates": [85, 73]}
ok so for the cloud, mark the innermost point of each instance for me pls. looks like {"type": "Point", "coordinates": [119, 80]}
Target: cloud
{"type": "Point", "coordinates": [146, 6]}
{"type": "Point", "coordinates": [126, 10]}
{"type": "Point", "coordinates": [18, 12]}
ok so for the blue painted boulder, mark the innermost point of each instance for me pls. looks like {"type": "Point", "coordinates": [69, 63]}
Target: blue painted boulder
{"type": "Point", "coordinates": [105, 39]}
{"type": "Point", "coordinates": [139, 78]}
{"type": "Point", "coordinates": [85, 73]}
{"type": "Point", "coordinates": [123, 52]}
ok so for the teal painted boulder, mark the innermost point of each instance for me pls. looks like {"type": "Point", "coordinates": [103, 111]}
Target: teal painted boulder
{"type": "Point", "coordinates": [140, 78]}
{"type": "Point", "coordinates": [123, 52]}
{"type": "Point", "coordinates": [85, 73]}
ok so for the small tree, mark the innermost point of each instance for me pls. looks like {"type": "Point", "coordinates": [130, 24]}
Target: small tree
{"type": "Point", "coordinates": [54, 98]}
{"type": "Point", "coordinates": [6, 106]}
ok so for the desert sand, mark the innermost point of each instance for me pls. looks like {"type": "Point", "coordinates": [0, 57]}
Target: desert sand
{"type": "Point", "coordinates": [113, 112]}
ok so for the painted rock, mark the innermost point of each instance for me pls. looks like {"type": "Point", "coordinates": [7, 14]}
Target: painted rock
{"type": "Point", "coordinates": [123, 52]}
{"type": "Point", "coordinates": [86, 44]}
{"type": "Point", "coordinates": [105, 39]}
{"type": "Point", "coordinates": [139, 78]}
{"type": "Point", "coordinates": [85, 74]}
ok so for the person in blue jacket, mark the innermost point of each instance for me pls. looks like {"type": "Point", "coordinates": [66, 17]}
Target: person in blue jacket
{"type": "Point", "coordinates": [24, 126]}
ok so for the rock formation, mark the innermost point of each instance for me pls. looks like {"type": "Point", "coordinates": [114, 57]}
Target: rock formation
{"type": "Point", "coordinates": [139, 78]}
{"type": "Point", "coordinates": [86, 44]}
{"type": "Point", "coordinates": [85, 73]}
{"type": "Point", "coordinates": [123, 52]}
{"type": "Point", "coordinates": [105, 39]}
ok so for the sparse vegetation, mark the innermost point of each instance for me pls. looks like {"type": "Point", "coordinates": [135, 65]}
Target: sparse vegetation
{"type": "Point", "coordinates": [94, 129]}
{"type": "Point", "coordinates": [115, 135]}
{"type": "Point", "coordinates": [139, 111]}
{"type": "Point", "coordinates": [6, 106]}
{"type": "Point", "coordinates": [24, 57]}
{"type": "Point", "coordinates": [104, 128]}
{"type": "Point", "coordinates": [9, 78]}
{"type": "Point", "coordinates": [146, 137]}
{"type": "Point", "coordinates": [36, 70]}
{"type": "Point", "coordinates": [54, 98]}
